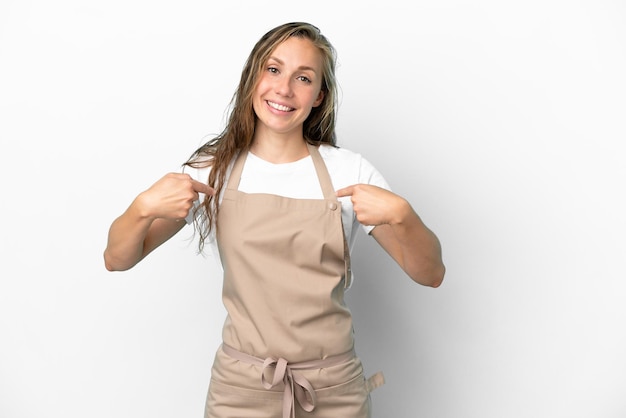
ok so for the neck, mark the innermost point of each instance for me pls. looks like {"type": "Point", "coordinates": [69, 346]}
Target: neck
{"type": "Point", "coordinates": [279, 149]}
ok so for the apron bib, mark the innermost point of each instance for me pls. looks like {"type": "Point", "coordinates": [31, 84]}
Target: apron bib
{"type": "Point", "coordinates": [288, 339]}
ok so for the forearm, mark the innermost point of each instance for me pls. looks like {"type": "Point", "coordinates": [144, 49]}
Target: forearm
{"type": "Point", "coordinates": [126, 239]}
{"type": "Point", "coordinates": [151, 219]}
{"type": "Point", "coordinates": [418, 250]}
{"type": "Point", "coordinates": [399, 230]}
{"type": "Point", "coordinates": [421, 250]}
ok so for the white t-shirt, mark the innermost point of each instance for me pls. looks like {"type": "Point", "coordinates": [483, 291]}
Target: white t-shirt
{"type": "Point", "coordinates": [298, 180]}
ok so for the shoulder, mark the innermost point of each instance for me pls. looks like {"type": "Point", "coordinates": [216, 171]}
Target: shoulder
{"type": "Point", "coordinates": [347, 167]}
{"type": "Point", "coordinates": [341, 159]}
{"type": "Point", "coordinates": [333, 152]}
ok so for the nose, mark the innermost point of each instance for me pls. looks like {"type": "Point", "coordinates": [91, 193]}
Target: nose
{"type": "Point", "coordinates": [283, 86]}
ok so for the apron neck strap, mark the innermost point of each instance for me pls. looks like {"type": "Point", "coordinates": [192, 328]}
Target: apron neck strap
{"type": "Point", "coordinates": [235, 173]}
{"type": "Point", "coordinates": [322, 173]}
{"type": "Point", "coordinates": [329, 194]}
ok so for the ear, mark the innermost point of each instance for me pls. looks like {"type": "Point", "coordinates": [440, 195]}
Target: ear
{"type": "Point", "coordinates": [320, 98]}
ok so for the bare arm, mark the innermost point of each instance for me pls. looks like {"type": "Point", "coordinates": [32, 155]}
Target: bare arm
{"type": "Point", "coordinates": [153, 217]}
{"type": "Point", "coordinates": [400, 231]}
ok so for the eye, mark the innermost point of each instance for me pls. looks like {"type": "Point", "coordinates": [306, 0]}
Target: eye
{"type": "Point", "coordinates": [272, 70]}
{"type": "Point", "coordinates": [305, 79]}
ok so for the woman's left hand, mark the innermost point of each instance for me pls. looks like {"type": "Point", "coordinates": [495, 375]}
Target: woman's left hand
{"type": "Point", "coordinates": [399, 230]}
{"type": "Point", "coordinates": [374, 205]}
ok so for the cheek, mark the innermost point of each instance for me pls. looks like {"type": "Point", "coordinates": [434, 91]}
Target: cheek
{"type": "Point", "coordinates": [257, 98]}
{"type": "Point", "coordinates": [262, 86]}
{"type": "Point", "coordinates": [256, 105]}
{"type": "Point", "coordinates": [319, 98]}
{"type": "Point", "coordinates": [316, 95]}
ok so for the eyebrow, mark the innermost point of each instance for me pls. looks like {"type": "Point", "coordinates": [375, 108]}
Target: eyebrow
{"type": "Point", "coordinates": [302, 67]}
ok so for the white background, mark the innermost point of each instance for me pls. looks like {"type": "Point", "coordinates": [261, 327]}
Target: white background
{"type": "Point", "coordinates": [502, 122]}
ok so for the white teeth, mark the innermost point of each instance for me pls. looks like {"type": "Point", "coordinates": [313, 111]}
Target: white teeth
{"type": "Point", "coordinates": [279, 107]}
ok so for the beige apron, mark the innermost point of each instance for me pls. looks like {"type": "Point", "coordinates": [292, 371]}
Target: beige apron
{"type": "Point", "coordinates": [288, 341]}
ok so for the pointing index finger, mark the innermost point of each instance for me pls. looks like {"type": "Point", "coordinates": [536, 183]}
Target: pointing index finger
{"type": "Point", "coordinates": [346, 191]}
{"type": "Point", "coordinates": [202, 188]}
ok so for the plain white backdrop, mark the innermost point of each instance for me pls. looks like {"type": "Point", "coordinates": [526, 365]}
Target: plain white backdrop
{"type": "Point", "coordinates": [502, 123]}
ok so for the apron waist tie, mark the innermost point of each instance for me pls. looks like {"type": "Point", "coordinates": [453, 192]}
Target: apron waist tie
{"type": "Point", "coordinates": [296, 385]}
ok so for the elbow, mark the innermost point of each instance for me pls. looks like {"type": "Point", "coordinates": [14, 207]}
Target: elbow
{"type": "Point", "coordinates": [437, 279]}
{"type": "Point", "coordinates": [108, 264]}
{"type": "Point", "coordinates": [432, 278]}
{"type": "Point", "coordinates": [111, 265]}
{"type": "Point", "coordinates": [438, 275]}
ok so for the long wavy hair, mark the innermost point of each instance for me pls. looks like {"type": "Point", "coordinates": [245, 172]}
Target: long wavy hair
{"type": "Point", "coordinates": [318, 128]}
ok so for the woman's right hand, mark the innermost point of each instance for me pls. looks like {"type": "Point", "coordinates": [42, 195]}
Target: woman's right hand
{"type": "Point", "coordinates": [171, 197]}
{"type": "Point", "coordinates": [151, 219]}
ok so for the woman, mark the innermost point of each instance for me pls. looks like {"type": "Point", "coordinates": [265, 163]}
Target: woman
{"type": "Point", "coordinates": [277, 199]}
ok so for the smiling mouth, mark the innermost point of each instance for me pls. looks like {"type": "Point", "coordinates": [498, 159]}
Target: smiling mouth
{"type": "Point", "coordinates": [279, 107]}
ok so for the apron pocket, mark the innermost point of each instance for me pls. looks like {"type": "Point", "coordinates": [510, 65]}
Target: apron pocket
{"type": "Point", "coordinates": [225, 401]}
{"type": "Point", "coordinates": [349, 399]}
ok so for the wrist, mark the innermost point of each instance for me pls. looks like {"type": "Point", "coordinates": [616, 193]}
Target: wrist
{"type": "Point", "coordinates": [402, 212]}
{"type": "Point", "coordinates": [141, 208]}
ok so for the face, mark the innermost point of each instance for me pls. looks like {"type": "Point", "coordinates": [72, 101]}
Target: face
{"type": "Point", "coordinates": [289, 87]}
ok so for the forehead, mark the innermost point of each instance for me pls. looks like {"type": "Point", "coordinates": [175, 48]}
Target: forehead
{"type": "Point", "coordinates": [298, 52]}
